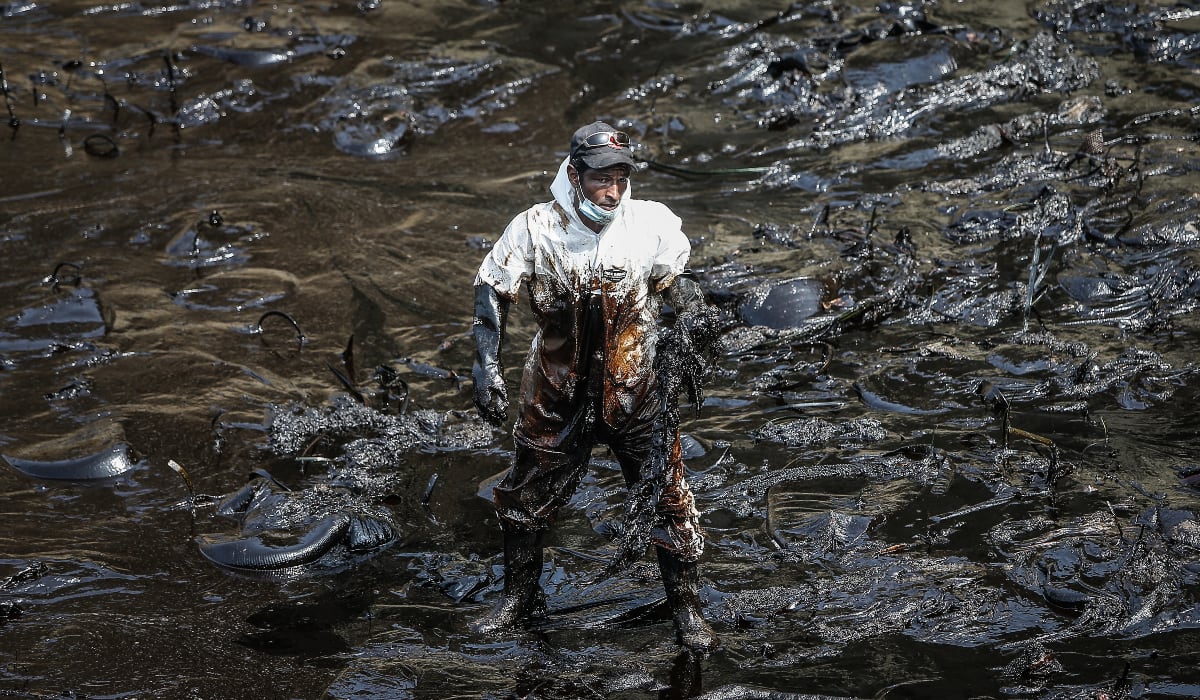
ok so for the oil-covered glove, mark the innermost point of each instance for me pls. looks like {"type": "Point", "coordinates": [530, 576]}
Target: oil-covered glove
{"type": "Point", "coordinates": [491, 393]}
{"type": "Point", "coordinates": [689, 350]}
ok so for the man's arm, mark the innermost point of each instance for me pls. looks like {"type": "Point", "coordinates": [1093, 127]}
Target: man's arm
{"type": "Point", "coordinates": [685, 296]}
{"type": "Point", "coordinates": [689, 351]}
{"type": "Point", "coordinates": [491, 316]}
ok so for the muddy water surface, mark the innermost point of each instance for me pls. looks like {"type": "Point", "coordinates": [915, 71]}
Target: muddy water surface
{"type": "Point", "coordinates": [950, 450]}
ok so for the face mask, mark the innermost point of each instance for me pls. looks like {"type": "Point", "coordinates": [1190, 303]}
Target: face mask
{"type": "Point", "coordinates": [593, 211]}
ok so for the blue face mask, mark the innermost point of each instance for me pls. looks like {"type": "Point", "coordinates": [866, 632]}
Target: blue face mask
{"type": "Point", "coordinates": [594, 211]}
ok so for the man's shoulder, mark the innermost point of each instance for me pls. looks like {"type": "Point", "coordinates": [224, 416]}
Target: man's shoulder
{"type": "Point", "coordinates": [536, 215]}
{"type": "Point", "coordinates": [648, 205]}
{"type": "Point", "coordinates": [544, 209]}
{"type": "Point", "coordinates": [651, 211]}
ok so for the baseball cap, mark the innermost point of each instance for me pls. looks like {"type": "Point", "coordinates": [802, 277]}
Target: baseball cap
{"type": "Point", "coordinates": [601, 146]}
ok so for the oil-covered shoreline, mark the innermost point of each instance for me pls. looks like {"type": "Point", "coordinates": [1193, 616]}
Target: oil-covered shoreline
{"type": "Point", "coordinates": [948, 450]}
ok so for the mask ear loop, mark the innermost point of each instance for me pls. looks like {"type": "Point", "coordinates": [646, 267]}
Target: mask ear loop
{"type": "Point", "coordinates": [579, 198]}
{"type": "Point", "coordinates": [588, 208]}
{"type": "Point", "coordinates": [574, 181]}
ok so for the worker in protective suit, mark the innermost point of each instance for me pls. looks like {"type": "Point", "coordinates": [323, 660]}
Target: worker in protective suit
{"type": "Point", "coordinates": [597, 264]}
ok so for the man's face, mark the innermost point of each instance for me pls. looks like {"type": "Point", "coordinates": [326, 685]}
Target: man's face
{"type": "Point", "coordinates": [604, 188]}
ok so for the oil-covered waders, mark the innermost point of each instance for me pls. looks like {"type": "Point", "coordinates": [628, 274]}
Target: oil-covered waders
{"type": "Point", "coordinates": [550, 462]}
{"type": "Point", "coordinates": [561, 422]}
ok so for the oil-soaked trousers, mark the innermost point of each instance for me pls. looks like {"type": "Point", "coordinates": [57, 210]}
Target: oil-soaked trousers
{"type": "Point", "coordinates": [553, 444]}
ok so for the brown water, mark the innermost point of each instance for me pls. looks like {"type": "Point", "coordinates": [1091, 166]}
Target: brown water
{"type": "Point", "coordinates": [174, 171]}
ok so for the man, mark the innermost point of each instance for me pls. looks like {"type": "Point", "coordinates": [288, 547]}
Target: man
{"type": "Point", "coordinates": [597, 264]}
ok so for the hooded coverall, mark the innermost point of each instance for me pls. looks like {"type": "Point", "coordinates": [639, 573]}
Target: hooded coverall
{"type": "Point", "coordinates": [589, 377]}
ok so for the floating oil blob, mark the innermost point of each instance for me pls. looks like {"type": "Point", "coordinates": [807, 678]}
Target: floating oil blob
{"type": "Point", "coordinates": [276, 551]}
{"type": "Point", "coordinates": [79, 308]}
{"type": "Point", "coordinates": [110, 462]}
{"type": "Point", "coordinates": [296, 533]}
{"type": "Point", "coordinates": [382, 128]}
{"type": "Point", "coordinates": [238, 290]}
{"type": "Point", "coordinates": [784, 304]}
{"type": "Point", "coordinates": [98, 450]}
{"type": "Point", "coordinates": [808, 432]}
{"type": "Point", "coordinates": [267, 56]}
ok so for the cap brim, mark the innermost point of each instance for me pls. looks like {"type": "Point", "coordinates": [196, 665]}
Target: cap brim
{"type": "Point", "coordinates": [602, 158]}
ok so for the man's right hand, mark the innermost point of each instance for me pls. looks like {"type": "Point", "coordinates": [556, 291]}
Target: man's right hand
{"type": "Point", "coordinates": [491, 315]}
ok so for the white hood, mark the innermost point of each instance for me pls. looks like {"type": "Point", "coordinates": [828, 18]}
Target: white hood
{"type": "Point", "coordinates": [564, 194]}
{"type": "Point", "coordinates": [645, 240]}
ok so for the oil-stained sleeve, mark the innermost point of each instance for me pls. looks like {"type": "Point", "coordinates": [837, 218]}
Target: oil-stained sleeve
{"type": "Point", "coordinates": [673, 248]}
{"type": "Point", "coordinates": [510, 262]}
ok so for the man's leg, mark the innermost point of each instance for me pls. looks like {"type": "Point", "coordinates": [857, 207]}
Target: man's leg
{"type": "Point", "coordinates": [678, 552]}
{"type": "Point", "coordinates": [523, 596]}
{"type": "Point", "coordinates": [540, 481]}
{"type": "Point", "coordinates": [681, 579]}
{"type": "Point", "coordinates": [677, 537]}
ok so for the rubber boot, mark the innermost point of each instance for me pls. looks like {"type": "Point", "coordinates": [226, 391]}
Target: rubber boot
{"type": "Point", "coordinates": [681, 579]}
{"type": "Point", "coordinates": [523, 596]}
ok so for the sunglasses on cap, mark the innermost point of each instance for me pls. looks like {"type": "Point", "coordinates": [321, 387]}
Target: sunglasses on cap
{"type": "Point", "coordinates": [615, 139]}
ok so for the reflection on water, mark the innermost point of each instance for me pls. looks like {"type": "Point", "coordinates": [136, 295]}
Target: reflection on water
{"type": "Point", "coordinates": [949, 453]}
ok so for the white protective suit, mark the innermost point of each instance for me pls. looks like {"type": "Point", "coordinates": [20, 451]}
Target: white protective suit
{"type": "Point", "coordinates": [589, 374]}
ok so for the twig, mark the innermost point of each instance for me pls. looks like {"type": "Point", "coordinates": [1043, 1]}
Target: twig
{"type": "Point", "coordinates": [187, 480]}
{"type": "Point", "coordinates": [13, 122]}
